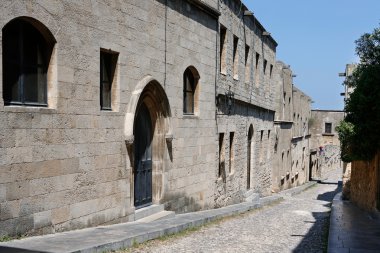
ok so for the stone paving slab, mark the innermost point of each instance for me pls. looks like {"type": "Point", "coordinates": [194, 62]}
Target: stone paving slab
{"type": "Point", "coordinates": [352, 229]}
{"type": "Point", "coordinates": [112, 237]}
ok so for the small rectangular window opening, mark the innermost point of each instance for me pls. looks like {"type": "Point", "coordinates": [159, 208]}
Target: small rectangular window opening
{"type": "Point", "coordinates": [235, 57]}
{"type": "Point", "coordinates": [270, 70]}
{"type": "Point", "coordinates": [257, 74]}
{"type": "Point", "coordinates": [328, 127]}
{"type": "Point", "coordinates": [265, 65]}
{"type": "Point", "coordinates": [108, 61]}
{"type": "Point", "coordinates": [232, 152]}
{"type": "Point", "coordinates": [221, 155]}
{"type": "Point", "coordinates": [247, 65]}
{"type": "Point", "coordinates": [223, 43]}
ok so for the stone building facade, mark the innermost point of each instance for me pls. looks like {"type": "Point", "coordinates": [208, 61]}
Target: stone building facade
{"type": "Point", "coordinates": [108, 108]}
{"type": "Point", "coordinates": [71, 162]}
{"type": "Point", "coordinates": [325, 143]}
{"type": "Point", "coordinates": [291, 149]}
{"type": "Point", "coordinates": [245, 106]}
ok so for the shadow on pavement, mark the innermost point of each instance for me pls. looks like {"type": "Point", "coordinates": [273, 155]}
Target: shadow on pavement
{"type": "Point", "coordinates": [328, 196]}
{"type": "Point", "coordinates": [316, 238]}
{"type": "Point", "coordinates": [15, 250]}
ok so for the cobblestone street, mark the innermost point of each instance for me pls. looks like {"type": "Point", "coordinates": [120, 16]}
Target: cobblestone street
{"type": "Point", "coordinates": [297, 224]}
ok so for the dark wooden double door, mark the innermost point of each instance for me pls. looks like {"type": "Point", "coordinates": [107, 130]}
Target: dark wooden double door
{"type": "Point", "coordinates": [143, 158]}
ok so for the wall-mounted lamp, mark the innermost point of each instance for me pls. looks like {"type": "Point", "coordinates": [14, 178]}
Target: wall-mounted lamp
{"type": "Point", "coordinates": [248, 13]}
{"type": "Point", "coordinates": [265, 33]}
{"type": "Point", "coordinates": [230, 100]}
{"type": "Point", "coordinates": [294, 75]}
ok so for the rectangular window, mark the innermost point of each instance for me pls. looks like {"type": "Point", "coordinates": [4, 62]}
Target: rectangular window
{"type": "Point", "coordinates": [221, 155]}
{"type": "Point", "coordinates": [108, 61]}
{"type": "Point", "coordinates": [232, 152]}
{"type": "Point", "coordinates": [328, 127]}
{"type": "Point", "coordinates": [261, 156]}
{"type": "Point", "coordinates": [235, 57]}
{"type": "Point", "coordinates": [223, 43]}
{"type": "Point", "coordinates": [188, 92]}
{"type": "Point", "coordinates": [268, 146]}
{"type": "Point", "coordinates": [257, 74]}
{"type": "Point", "coordinates": [265, 66]}
{"type": "Point", "coordinates": [270, 71]}
{"type": "Point", "coordinates": [247, 65]}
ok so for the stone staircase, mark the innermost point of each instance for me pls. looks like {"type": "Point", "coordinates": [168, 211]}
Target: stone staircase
{"type": "Point", "coordinates": [152, 213]}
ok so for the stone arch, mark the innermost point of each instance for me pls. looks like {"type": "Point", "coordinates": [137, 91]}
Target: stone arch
{"type": "Point", "coordinates": [149, 92]}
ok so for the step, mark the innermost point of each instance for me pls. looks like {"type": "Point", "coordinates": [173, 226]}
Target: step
{"type": "Point", "coordinates": [148, 211]}
{"type": "Point", "coordinates": [158, 216]}
{"type": "Point", "coordinates": [251, 196]}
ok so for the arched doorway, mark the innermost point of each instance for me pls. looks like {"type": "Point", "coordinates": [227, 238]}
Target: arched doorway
{"type": "Point", "coordinates": [249, 156]}
{"type": "Point", "coordinates": [143, 157]}
{"type": "Point", "coordinates": [148, 137]}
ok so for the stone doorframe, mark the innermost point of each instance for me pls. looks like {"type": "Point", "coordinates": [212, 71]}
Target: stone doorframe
{"type": "Point", "coordinates": [150, 92]}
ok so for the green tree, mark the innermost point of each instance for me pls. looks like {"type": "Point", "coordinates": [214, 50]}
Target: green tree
{"type": "Point", "coordinates": [363, 106]}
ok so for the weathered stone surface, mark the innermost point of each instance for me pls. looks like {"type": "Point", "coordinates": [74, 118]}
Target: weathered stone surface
{"type": "Point", "coordinates": [72, 165]}
{"type": "Point", "coordinates": [365, 183]}
{"type": "Point", "coordinates": [291, 148]}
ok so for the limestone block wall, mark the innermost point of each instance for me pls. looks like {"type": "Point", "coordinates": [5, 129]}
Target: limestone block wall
{"type": "Point", "coordinates": [283, 82]}
{"type": "Point", "coordinates": [233, 182]}
{"type": "Point", "coordinates": [241, 74]}
{"type": "Point", "coordinates": [191, 36]}
{"type": "Point", "coordinates": [67, 166]}
{"type": "Point", "coordinates": [365, 183]}
{"type": "Point", "coordinates": [252, 106]}
{"type": "Point", "coordinates": [292, 154]}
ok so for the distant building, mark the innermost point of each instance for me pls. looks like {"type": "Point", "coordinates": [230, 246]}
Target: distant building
{"type": "Point", "coordinates": [325, 144]}
{"type": "Point", "coordinates": [347, 73]}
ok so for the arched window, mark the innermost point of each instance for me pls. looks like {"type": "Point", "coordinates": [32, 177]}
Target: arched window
{"type": "Point", "coordinates": [190, 83]}
{"type": "Point", "coordinates": [27, 48]}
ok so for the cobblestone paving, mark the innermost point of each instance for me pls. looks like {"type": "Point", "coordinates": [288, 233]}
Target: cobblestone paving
{"type": "Point", "coordinates": [298, 224]}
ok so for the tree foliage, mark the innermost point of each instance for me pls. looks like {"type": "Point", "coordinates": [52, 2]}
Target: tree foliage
{"type": "Point", "coordinates": [346, 133]}
{"type": "Point", "coordinates": [363, 105]}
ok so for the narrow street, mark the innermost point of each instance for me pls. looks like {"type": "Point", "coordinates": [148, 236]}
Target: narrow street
{"type": "Point", "coordinates": [297, 224]}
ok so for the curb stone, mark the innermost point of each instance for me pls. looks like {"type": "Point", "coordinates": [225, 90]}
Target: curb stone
{"type": "Point", "coordinates": [299, 189]}
{"type": "Point", "coordinates": [125, 235]}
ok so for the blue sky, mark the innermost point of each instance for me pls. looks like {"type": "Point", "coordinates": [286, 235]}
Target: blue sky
{"type": "Point", "coordinates": [317, 39]}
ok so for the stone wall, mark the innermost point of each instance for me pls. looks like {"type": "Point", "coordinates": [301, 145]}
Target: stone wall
{"type": "Point", "coordinates": [70, 165]}
{"type": "Point", "coordinates": [251, 107]}
{"type": "Point", "coordinates": [291, 152]}
{"type": "Point", "coordinates": [365, 183]}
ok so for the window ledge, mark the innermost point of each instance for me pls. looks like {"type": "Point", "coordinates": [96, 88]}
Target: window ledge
{"type": "Point", "coordinates": [327, 134]}
{"type": "Point", "coordinates": [190, 116]}
{"type": "Point", "coordinates": [14, 108]}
